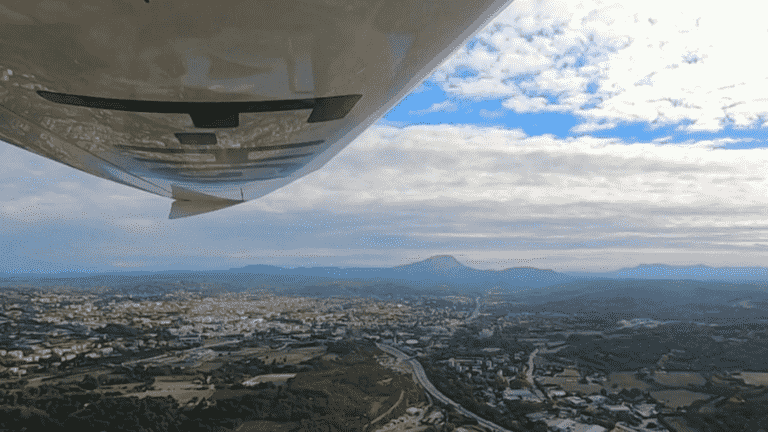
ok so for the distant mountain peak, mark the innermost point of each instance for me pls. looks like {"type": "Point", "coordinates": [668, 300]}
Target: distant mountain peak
{"type": "Point", "coordinates": [436, 266]}
{"type": "Point", "coordinates": [439, 262]}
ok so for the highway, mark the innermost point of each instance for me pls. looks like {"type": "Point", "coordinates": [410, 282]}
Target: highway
{"type": "Point", "coordinates": [424, 381]}
{"type": "Point", "coordinates": [168, 356]}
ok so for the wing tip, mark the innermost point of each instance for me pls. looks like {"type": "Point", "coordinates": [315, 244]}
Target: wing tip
{"type": "Point", "coordinates": [181, 208]}
{"type": "Point", "coordinates": [190, 203]}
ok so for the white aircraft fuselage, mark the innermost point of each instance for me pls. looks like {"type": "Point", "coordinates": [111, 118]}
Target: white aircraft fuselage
{"type": "Point", "coordinates": [214, 103]}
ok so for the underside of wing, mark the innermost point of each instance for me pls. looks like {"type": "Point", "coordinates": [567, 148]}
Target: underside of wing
{"type": "Point", "coordinates": [213, 105]}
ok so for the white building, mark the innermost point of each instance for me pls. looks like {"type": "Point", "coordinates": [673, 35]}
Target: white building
{"type": "Point", "coordinates": [615, 409]}
{"type": "Point", "coordinates": [522, 394]}
{"type": "Point", "coordinates": [556, 393]}
{"type": "Point", "coordinates": [598, 399]}
{"type": "Point", "coordinates": [576, 401]}
{"type": "Point", "coordinates": [568, 425]}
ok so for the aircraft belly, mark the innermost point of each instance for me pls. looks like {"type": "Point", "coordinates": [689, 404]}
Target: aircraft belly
{"type": "Point", "coordinates": [230, 99]}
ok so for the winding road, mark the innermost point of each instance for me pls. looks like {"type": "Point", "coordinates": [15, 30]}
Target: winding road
{"type": "Point", "coordinates": [529, 371]}
{"type": "Point", "coordinates": [529, 375]}
{"type": "Point", "coordinates": [392, 408]}
{"type": "Point", "coordinates": [424, 381]}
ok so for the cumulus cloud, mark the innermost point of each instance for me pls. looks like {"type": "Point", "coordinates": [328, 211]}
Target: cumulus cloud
{"type": "Point", "coordinates": [389, 165]}
{"type": "Point", "coordinates": [491, 189]}
{"type": "Point", "coordinates": [648, 61]}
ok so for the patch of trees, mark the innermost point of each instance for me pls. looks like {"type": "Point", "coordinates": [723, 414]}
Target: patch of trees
{"type": "Point", "coordinates": [745, 411]}
{"type": "Point", "coordinates": [615, 354]}
{"type": "Point", "coordinates": [342, 347]}
{"type": "Point", "coordinates": [696, 350]}
{"type": "Point", "coordinates": [128, 414]}
{"type": "Point", "coordinates": [467, 342]}
{"type": "Point", "coordinates": [333, 396]}
{"type": "Point", "coordinates": [119, 330]}
{"type": "Point", "coordinates": [89, 412]}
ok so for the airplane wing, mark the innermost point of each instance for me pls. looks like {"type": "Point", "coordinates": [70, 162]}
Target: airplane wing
{"type": "Point", "coordinates": [214, 103]}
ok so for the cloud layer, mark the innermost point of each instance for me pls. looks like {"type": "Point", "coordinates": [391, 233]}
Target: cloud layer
{"type": "Point", "coordinates": [398, 194]}
{"type": "Point", "coordinates": [633, 61]}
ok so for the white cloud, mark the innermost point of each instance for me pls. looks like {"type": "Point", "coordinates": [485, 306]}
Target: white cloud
{"type": "Point", "coordinates": [34, 189]}
{"type": "Point", "coordinates": [652, 61]}
{"type": "Point", "coordinates": [442, 166]}
{"type": "Point", "coordinates": [389, 166]}
{"type": "Point", "coordinates": [399, 192]}
{"type": "Point", "coordinates": [592, 126]}
{"type": "Point", "coordinates": [524, 104]}
{"type": "Point", "coordinates": [502, 187]}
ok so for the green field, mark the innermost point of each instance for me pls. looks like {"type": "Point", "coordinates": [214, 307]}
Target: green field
{"type": "Point", "coordinates": [180, 388]}
{"type": "Point", "coordinates": [753, 378]}
{"type": "Point", "coordinates": [292, 355]}
{"type": "Point", "coordinates": [678, 398]}
{"type": "Point", "coordinates": [679, 379]}
{"type": "Point", "coordinates": [624, 380]}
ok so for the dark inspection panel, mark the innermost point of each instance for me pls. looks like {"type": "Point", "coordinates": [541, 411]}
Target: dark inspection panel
{"type": "Point", "coordinates": [219, 150]}
{"type": "Point", "coordinates": [215, 114]}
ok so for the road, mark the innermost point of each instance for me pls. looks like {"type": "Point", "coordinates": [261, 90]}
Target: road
{"type": "Point", "coordinates": [529, 371]}
{"type": "Point", "coordinates": [529, 376]}
{"type": "Point", "coordinates": [170, 356]}
{"type": "Point", "coordinates": [167, 356]}
{"type": "Point", "coordinates": [424, 381]}
{"type": "Point", "coordinates": [476, 312]}
{"type": "Point", "coordinates": [392, 408]}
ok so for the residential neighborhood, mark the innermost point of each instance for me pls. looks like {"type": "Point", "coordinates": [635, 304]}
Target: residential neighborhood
{"type": "Point", "coordinates": [491, 368]}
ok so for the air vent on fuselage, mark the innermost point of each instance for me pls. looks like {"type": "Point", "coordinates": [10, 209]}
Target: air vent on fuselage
{"type": "Point", "coordinates": [196, 138]}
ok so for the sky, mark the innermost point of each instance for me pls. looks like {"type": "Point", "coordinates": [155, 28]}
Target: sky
{"type": "Point", "coordinates": [574, 136]}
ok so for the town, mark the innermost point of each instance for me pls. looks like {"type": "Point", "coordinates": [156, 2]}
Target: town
{"type": "Point", "coordinates": [459, 362]}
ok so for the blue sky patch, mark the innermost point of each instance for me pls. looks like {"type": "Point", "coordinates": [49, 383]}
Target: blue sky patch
{"type": "Point", "coordinates": [415, 109]}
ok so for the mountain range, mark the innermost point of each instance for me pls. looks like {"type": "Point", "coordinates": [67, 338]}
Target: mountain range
{"type": "Point", "coordinates": [436, 270]}
{"type": "Point", "coordinates": [693, 272]}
